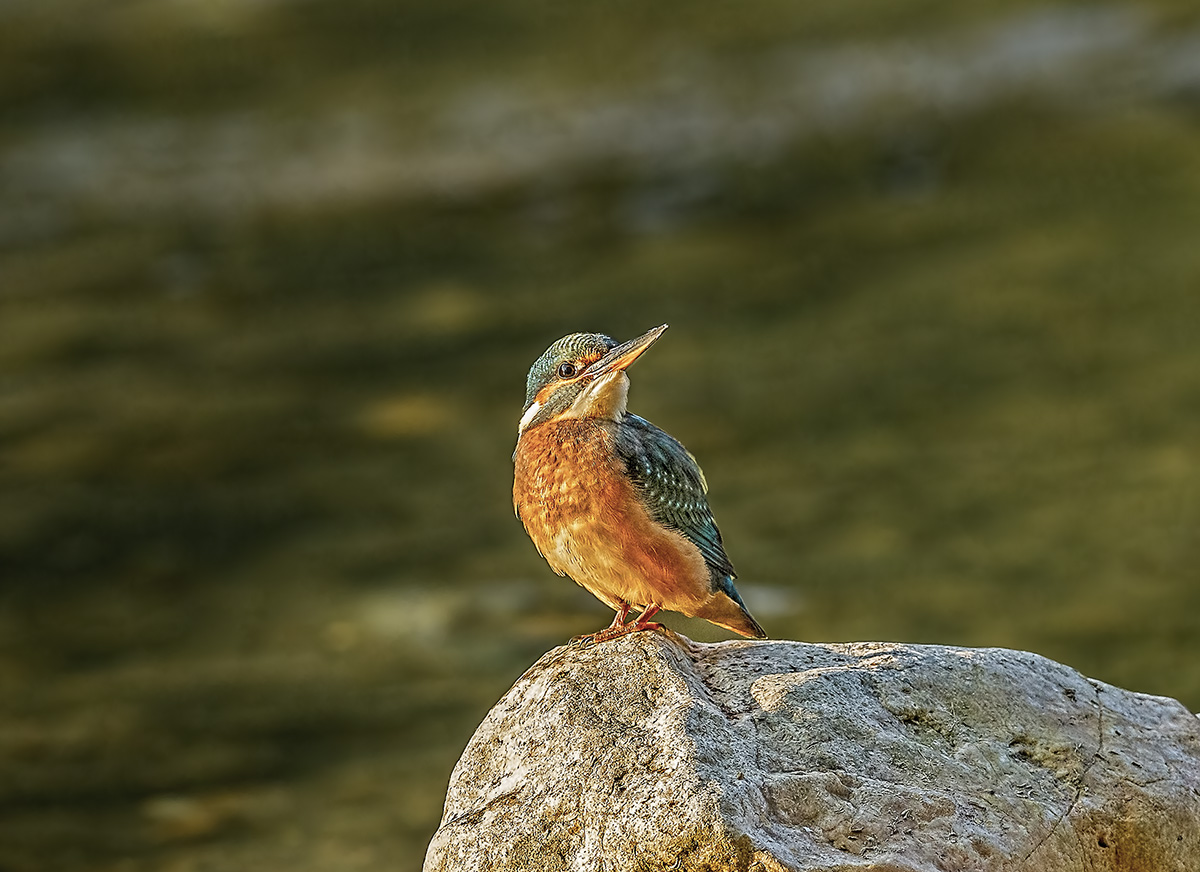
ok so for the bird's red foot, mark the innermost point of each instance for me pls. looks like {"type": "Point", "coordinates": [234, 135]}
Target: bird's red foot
{"type": "Point", "coordinates": [619, 628]}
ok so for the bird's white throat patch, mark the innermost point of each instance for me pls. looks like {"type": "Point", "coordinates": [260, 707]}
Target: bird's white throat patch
{"type": "Point", "coordinates": [603, 398]}
{"type": "Point", "coordinates": [529, 415]}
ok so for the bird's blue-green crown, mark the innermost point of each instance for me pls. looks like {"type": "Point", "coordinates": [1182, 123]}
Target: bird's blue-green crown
{"type": "Point", "coordinates": [566, 350]}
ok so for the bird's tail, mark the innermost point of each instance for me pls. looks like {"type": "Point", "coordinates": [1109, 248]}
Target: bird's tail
{"type": "Point", "coordinates": [726, 609]}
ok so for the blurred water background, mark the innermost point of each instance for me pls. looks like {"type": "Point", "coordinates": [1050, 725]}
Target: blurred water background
{"type": "Point", "coordinates": [272, 273]}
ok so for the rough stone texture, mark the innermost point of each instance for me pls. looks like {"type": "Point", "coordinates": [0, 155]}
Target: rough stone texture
{"type": "Point", "coordinates": [654, 752]}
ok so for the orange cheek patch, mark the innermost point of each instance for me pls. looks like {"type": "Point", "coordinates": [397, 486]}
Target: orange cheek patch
{"type": "Point", "coordinates": [588, 359]}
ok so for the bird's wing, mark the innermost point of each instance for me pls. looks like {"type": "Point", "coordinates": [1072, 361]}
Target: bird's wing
{"type": "Point", "coordinates": [671, 485]}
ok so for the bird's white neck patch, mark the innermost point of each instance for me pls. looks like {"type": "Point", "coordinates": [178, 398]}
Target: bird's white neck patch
{"type": "Point", "coordinates": [529, 415]}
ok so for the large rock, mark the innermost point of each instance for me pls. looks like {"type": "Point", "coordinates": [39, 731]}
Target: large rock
{"type": "Point", "coordinates": [654, 752]}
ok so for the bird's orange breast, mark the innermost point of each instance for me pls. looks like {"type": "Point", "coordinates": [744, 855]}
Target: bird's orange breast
{"type": "Point", "coordinates": [580, 509]}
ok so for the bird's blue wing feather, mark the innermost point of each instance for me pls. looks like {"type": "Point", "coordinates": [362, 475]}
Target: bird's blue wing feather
{"type": "Point", "coordinates": [671, 486]}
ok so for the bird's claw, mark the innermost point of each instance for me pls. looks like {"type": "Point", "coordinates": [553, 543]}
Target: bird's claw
{"type": "Point", "coordinates": [590, 639]}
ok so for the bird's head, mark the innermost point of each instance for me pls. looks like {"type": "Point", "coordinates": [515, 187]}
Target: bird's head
{"type": "Point", "coordinates": [582, 376]}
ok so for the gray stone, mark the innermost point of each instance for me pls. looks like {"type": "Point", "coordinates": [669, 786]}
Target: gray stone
{"type": "Point", "coordinates": [655, 752]}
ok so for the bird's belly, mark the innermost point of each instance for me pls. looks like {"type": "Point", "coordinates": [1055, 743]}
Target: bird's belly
{"type": "Point", "coordinates": [585, 518]}
{"type": "Point", "coordinates": [618, 558]}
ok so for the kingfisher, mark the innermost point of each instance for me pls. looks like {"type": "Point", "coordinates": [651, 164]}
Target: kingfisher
{"type": "Point", "coordinates": [612, 501]}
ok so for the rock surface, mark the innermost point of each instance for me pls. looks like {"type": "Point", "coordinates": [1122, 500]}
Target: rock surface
{"type": "Point", "coordinates": [655, 752]}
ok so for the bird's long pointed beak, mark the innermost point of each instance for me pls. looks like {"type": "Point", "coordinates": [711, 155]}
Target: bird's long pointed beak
{"type": "Point", "coordinates": [625, 354]}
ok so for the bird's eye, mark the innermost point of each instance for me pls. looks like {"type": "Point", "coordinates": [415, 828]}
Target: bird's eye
{"type": "Point", "coordinates": [566, 370]}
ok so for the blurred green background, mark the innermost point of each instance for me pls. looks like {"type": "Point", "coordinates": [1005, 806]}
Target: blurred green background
{"type": "Point", "coordinates": [272, 274]}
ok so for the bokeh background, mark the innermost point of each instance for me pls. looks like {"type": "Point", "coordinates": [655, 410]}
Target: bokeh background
{"type": "Point", "coordinates": [272, 273]}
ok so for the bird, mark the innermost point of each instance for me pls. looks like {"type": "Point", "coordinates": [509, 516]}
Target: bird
{"type": "Point", "coordinates": [614, 502]}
